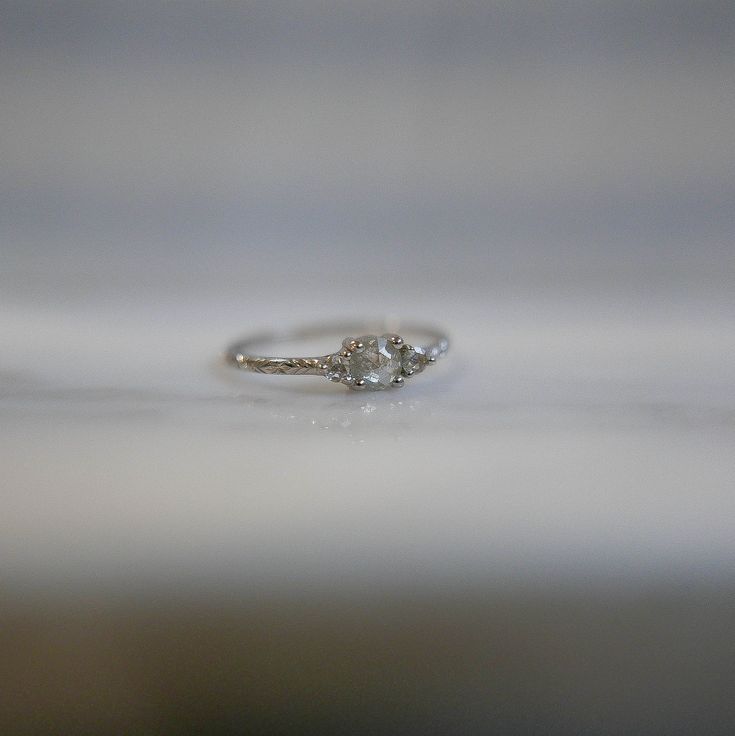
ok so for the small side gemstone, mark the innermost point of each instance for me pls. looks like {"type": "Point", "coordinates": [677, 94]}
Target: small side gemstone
{"type": "Point", "coordinates": [336, 368]}
{"type": "Point", "coordinates": [413, 359]}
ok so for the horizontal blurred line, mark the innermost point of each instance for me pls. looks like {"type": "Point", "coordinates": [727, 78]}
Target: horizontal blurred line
{"type": "Point", "coordinates": [358, 32]}
{"type": "Point", "coordinates": [697, 208]}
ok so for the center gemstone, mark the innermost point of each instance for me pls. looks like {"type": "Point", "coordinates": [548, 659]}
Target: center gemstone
{"type": "Point", "coordinates": [377, 364]}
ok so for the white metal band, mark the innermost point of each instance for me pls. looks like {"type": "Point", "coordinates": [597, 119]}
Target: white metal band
{"type": "Point", "coordinates": [431, 340]}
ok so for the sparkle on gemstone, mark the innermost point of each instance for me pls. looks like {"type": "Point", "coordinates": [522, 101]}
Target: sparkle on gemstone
{"type": "Point", "coordinates": [336, 369]}
{"type": "Point", "coordinates": [377, 364]}
{"type": "Point", "coordinates": [413, 359]}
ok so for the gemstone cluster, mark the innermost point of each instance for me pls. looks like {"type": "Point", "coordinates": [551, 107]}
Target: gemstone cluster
{"type": "Point", "coordinates": [375, 362]}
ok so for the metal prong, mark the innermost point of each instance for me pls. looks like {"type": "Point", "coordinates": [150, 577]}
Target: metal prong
{"type": "Point", "coordinates": [359, 385]}
{"type": "Point", "coordinates": [431, 359]}
{"type": "Point", "coordinates": [398, 381]}
{"type": "Point", "coordinates": [395, 339]}
{"type": "Point", "coordinates": [353, 345]}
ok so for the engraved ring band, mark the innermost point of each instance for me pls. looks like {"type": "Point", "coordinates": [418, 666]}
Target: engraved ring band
{"type": "Point", "coordinates": [380, 358]}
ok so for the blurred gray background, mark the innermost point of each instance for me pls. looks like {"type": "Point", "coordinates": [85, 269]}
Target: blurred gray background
{"type": "Point", "coordinates": [515, 148]}
{"type": "Point", "coordinates": [538, 537]}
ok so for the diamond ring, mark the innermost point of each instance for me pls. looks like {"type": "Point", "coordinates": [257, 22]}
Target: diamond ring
{"type": "Point", "coordinates": [372, 362]}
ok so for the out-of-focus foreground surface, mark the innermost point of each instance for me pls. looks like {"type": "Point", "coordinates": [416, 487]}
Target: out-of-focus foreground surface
{"type": "Point", "coordinates": [536, 537]}
{"type": "Point", "coordinates": [585, 662]}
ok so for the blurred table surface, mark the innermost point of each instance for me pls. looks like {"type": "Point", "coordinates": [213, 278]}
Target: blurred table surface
{"type": "Point", "coordinates": [547, 443]}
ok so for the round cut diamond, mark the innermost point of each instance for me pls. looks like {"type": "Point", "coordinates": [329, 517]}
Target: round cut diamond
{"type": "Point", "coordinates": [378, 363]}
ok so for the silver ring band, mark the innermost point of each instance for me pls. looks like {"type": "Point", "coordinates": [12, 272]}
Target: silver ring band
{"type": "Point", "coordinates": [376, 360]}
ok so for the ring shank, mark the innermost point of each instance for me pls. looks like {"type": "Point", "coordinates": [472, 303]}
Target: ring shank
{"type": "Point", "coordinates": [434, 342]}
